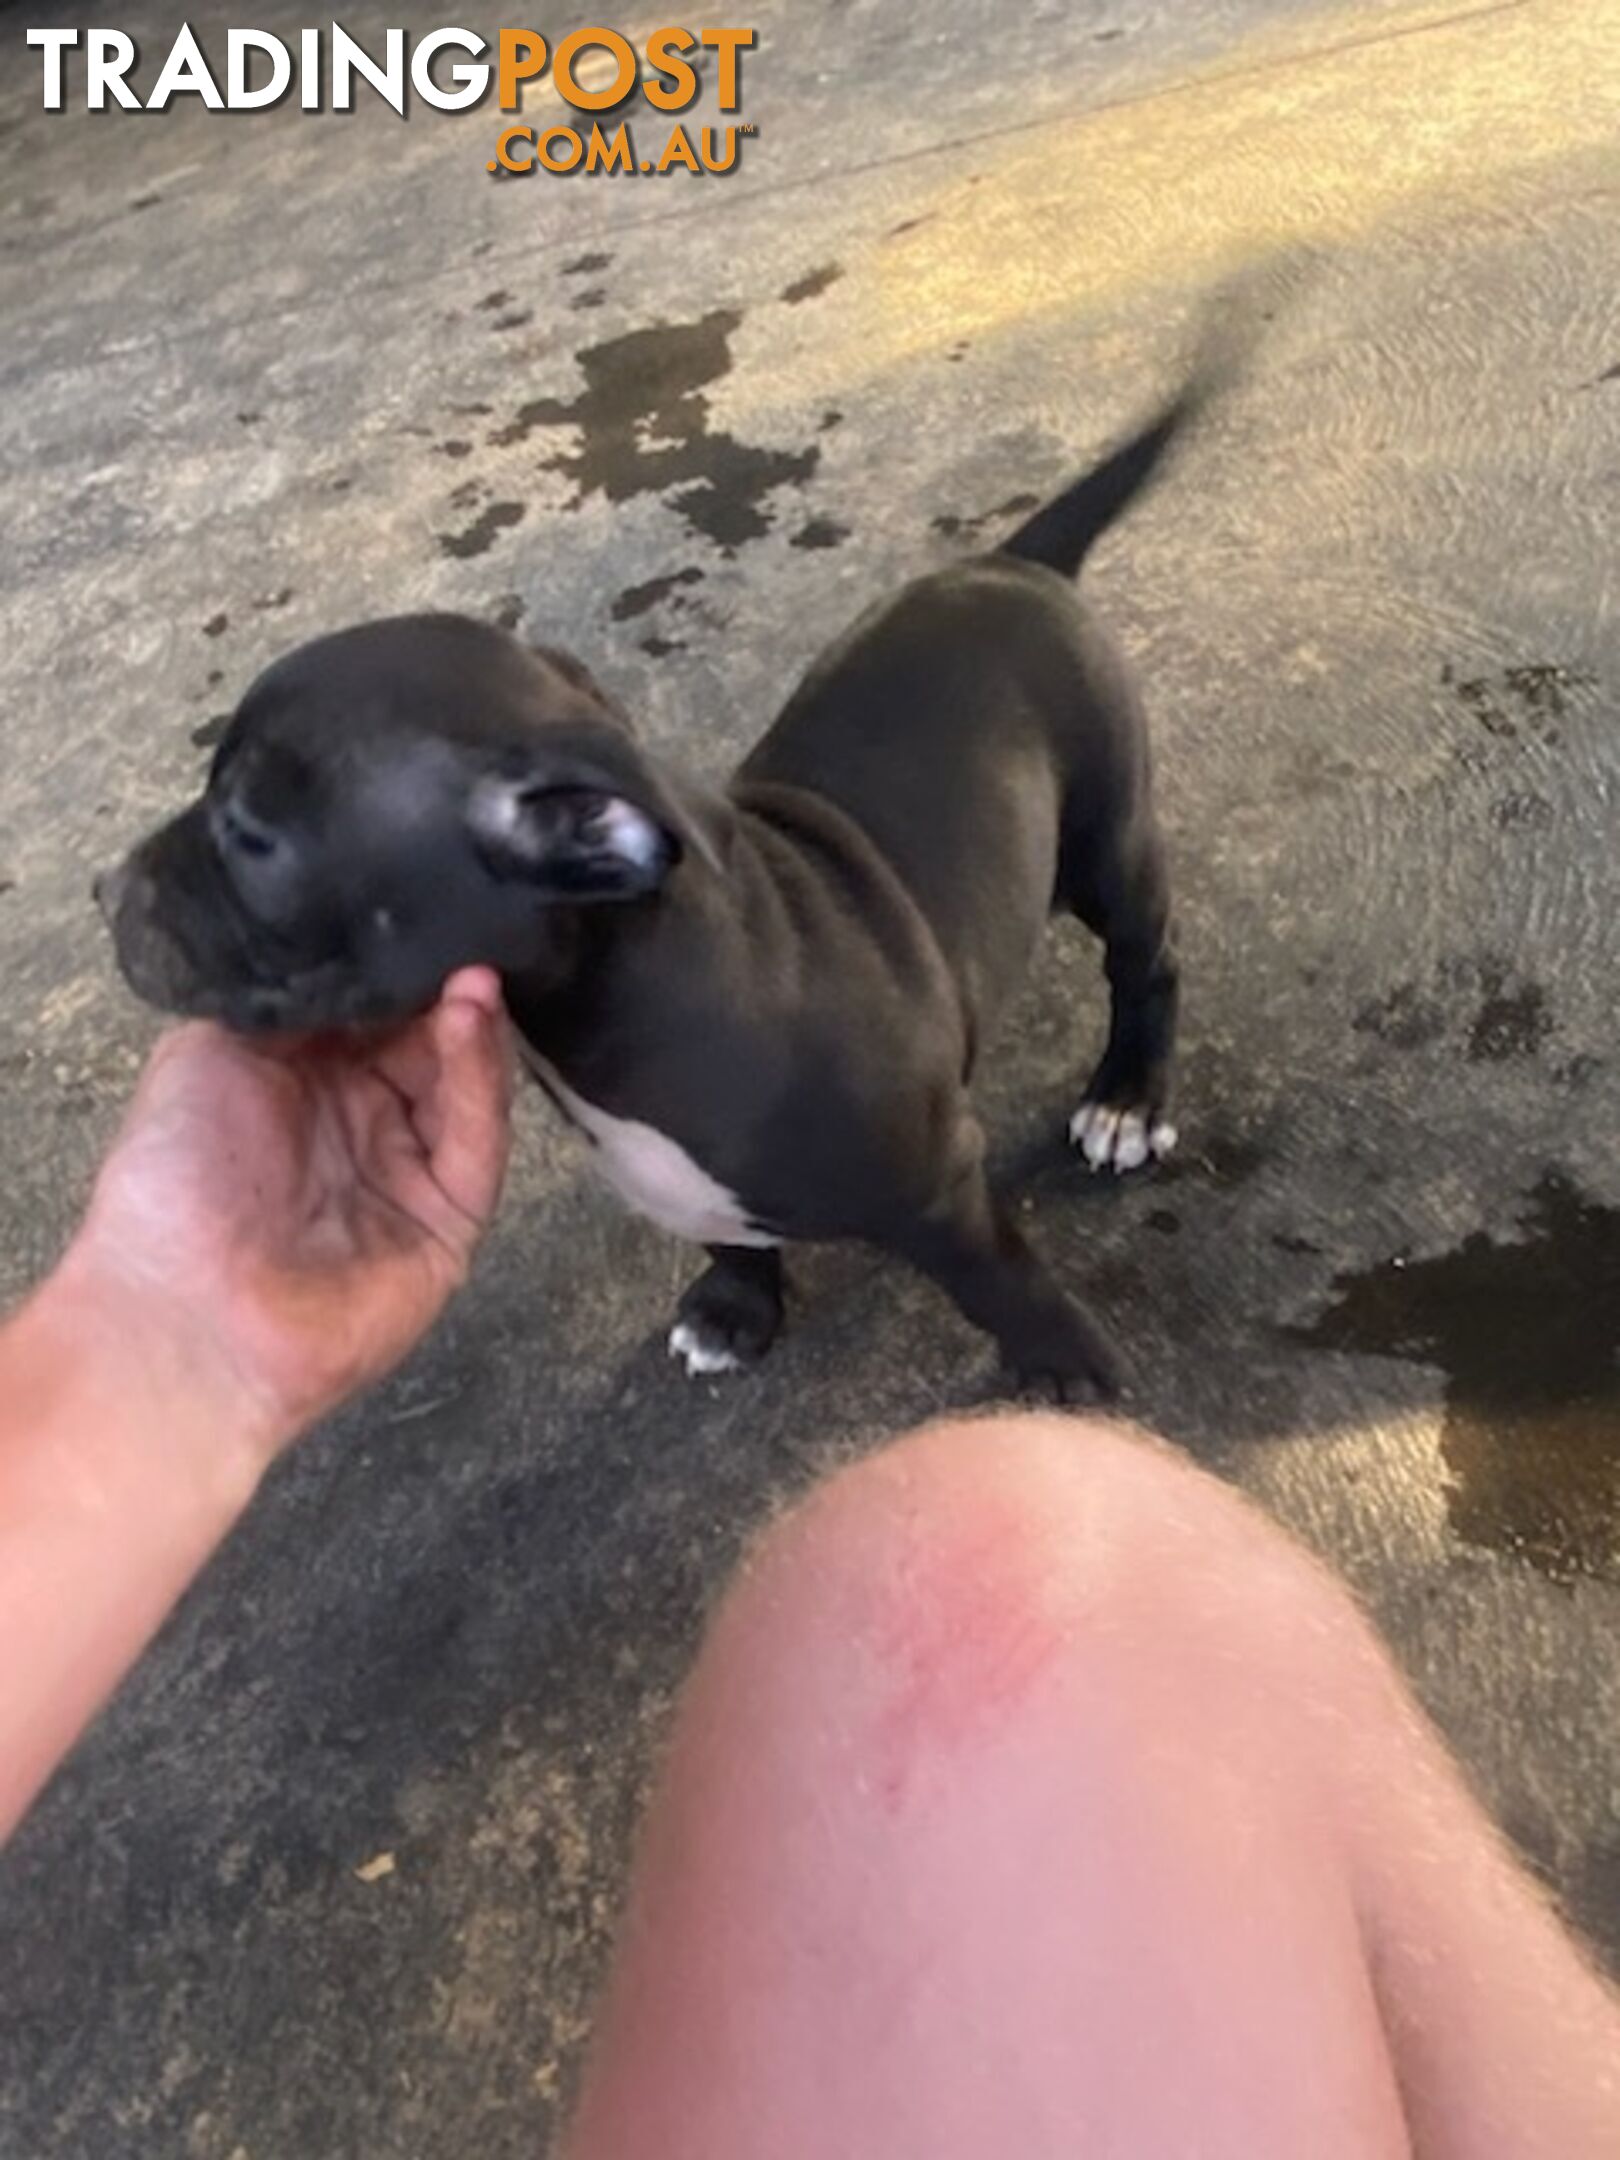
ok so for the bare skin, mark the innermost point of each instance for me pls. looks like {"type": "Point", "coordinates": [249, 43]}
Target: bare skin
{"type": "Point", "coordinates": [1031, 1796]}
{"type": "Point", "coordinates": [273, 1230]}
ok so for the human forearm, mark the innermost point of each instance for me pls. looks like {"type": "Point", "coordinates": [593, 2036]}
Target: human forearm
{"type": "Point", "coordinates": [272, 1231]}
{"type": "Point", "coordinates": [124, 1459]}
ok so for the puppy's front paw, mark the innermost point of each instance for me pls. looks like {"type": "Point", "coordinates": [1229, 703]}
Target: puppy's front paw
{"type": "Point", "coordinates": [728, 1318]}
{"type": "Point", "coordinates": [1120, 1136]}
{"type": "Point", "coordinates": [702, 1349]}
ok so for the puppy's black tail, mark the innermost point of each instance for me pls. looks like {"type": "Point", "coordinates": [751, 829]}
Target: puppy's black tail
{"type": "Point", "coordinates": [1062, 534]}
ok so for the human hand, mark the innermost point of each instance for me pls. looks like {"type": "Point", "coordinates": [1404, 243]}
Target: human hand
{"type": "Point", "coordinates": [286, 1219]}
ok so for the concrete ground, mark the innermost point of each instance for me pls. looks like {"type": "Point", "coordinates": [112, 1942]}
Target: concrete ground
{"type": "Point", "coordinates": [262, 375]}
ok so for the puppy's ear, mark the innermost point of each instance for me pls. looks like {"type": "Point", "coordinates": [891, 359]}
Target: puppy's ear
{"type": "Point", "coordinates": [584, 817]}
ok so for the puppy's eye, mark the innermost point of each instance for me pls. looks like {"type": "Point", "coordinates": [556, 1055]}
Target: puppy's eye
{"type": "Point", "coordinates": [244, 835]}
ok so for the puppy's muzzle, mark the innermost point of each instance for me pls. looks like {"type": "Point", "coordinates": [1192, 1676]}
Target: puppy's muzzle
{"type": "Point", "coordinates": [151, 958]}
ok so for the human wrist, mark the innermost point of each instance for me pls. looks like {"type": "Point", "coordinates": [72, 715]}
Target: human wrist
{"type": "Point", "coordinates": [138, 1368]}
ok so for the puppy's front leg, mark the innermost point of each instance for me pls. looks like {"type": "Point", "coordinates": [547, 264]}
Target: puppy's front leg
{"type": "Point", "coordinates": [973, 1249]}
{"type": "Point", "coordinates": [730, 1316]}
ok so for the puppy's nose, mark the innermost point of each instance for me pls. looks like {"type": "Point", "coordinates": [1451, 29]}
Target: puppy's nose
{"type": "Point", "coordinates": [109, 889]}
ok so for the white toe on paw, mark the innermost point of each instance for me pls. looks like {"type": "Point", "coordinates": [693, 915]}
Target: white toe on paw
{"type": "Point", "coordinates": [1097, 1141]}
{"type": "Point", "coordinates": [700, 1356]}
{"type": "Point", "coordinates": [1131, 1142]}
{"type": "Point", "coordinates": [1080, 1126]}
{"type": "Point", "coordinates": [1119, 1140]}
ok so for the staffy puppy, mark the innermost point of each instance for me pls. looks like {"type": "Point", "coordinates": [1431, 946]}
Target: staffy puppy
{"type": "Point", "coordinates": [763, 1006]}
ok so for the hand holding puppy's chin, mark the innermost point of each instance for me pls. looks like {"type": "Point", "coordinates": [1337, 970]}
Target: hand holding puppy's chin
{"type": "Point", "coordinates": [280, 1222]}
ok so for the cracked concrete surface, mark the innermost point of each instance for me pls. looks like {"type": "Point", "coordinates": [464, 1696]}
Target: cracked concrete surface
{"type": "Point", "coordinates": [264, 374]}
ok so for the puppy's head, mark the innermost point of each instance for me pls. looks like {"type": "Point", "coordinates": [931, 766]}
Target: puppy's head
{"type": "Point", "coordinates": [389, 804]}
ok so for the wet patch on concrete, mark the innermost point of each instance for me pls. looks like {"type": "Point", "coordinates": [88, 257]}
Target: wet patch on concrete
{"type": "Point", "coordinates": [480, 536]}
{"type": "Point", "coordinates": [592, 297]}
{"type": "Point", "coordinates": [1512, 1018]}
{"type": "Point", "coordinates": [514, 320]}
{"type": "Point", "coordinates": [1575, 1072]}
{"type": "Point", "coordinates": [820, 532]}
{"type": "Point", "coordinates": [951, 527]}
{"type": "Point", "coordinates": [1511, 1023]}
{"type": "Point", "coordinates": [585, 265]}
{"type": "Point", "coordinates": [1522, 811]}
{"type": "Point", "coordinates": [1526, 1332]}
{"type": "Point", "coordinates": [637, 599]}
{"type": "Point", "coordinates": [1523, 703]}
{"type": "Point", "coordinates": [493, 301]}
{"type": "Point", "coordinates": [812, 284]}
{"type": "Point", "coordinates": [454, 447]}
{"type": "Point", "coordinates": [643, 424]}
{"type": "Point", "coordinates": [1403, 1017]}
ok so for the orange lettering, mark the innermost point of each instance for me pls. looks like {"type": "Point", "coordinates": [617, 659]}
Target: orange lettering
{"type": "Point", "coordinates": [522, 54]}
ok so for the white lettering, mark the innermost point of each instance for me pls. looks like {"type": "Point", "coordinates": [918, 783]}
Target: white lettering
{"type": "Point", "coordinates": [242, 96]}
{"type": "Point", "coordinates": [53, 43]}
{"type": "Point", "coordinates": [108, 58]}
{"type": "Point", "coordinates": [472, 77]}
{"type": "Point", "coordinates": [350, 59]}
{"type": "Point", "coordinates": [185, 69]}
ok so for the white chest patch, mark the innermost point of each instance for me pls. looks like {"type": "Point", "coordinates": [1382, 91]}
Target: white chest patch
{"type": "Point", "coordinates": [652, 1174]}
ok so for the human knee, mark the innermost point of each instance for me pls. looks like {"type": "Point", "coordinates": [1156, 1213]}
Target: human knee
{"type": "Point", "coordinates": [1031, 1492]}
{"type": "Point", "coordinates": [983, 1605]}
{"type": "Point", "coordinates": [981, 1537]}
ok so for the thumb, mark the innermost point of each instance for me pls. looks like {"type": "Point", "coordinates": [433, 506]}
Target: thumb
{"type": "Point", "coordinates": [471, 1124]}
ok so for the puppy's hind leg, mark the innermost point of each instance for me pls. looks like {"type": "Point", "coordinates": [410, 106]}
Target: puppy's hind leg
{"type": "Point", "coordinates": [1118, 886]}
{"type": "Point", "coordinates": [731, 1315]}
{"type": "Point", "coordinates": [974, 1250]}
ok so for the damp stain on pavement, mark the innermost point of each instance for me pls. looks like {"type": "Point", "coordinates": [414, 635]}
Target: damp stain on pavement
{"type": "Point", "coordinates": [819, 532]}
{"type": "Point", "coordinates": [637, 599]}
{"type": "Point", "coordinates": [642, 423]}
{"type": "Point", "coordinates": [812, 284]}
{"type": "Point", "coordinates": [1524, 1324]}
{"type": "Point", "coordinates": [480, 536]}
{"type": "Point", "coordinates": [1506, 1016]}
